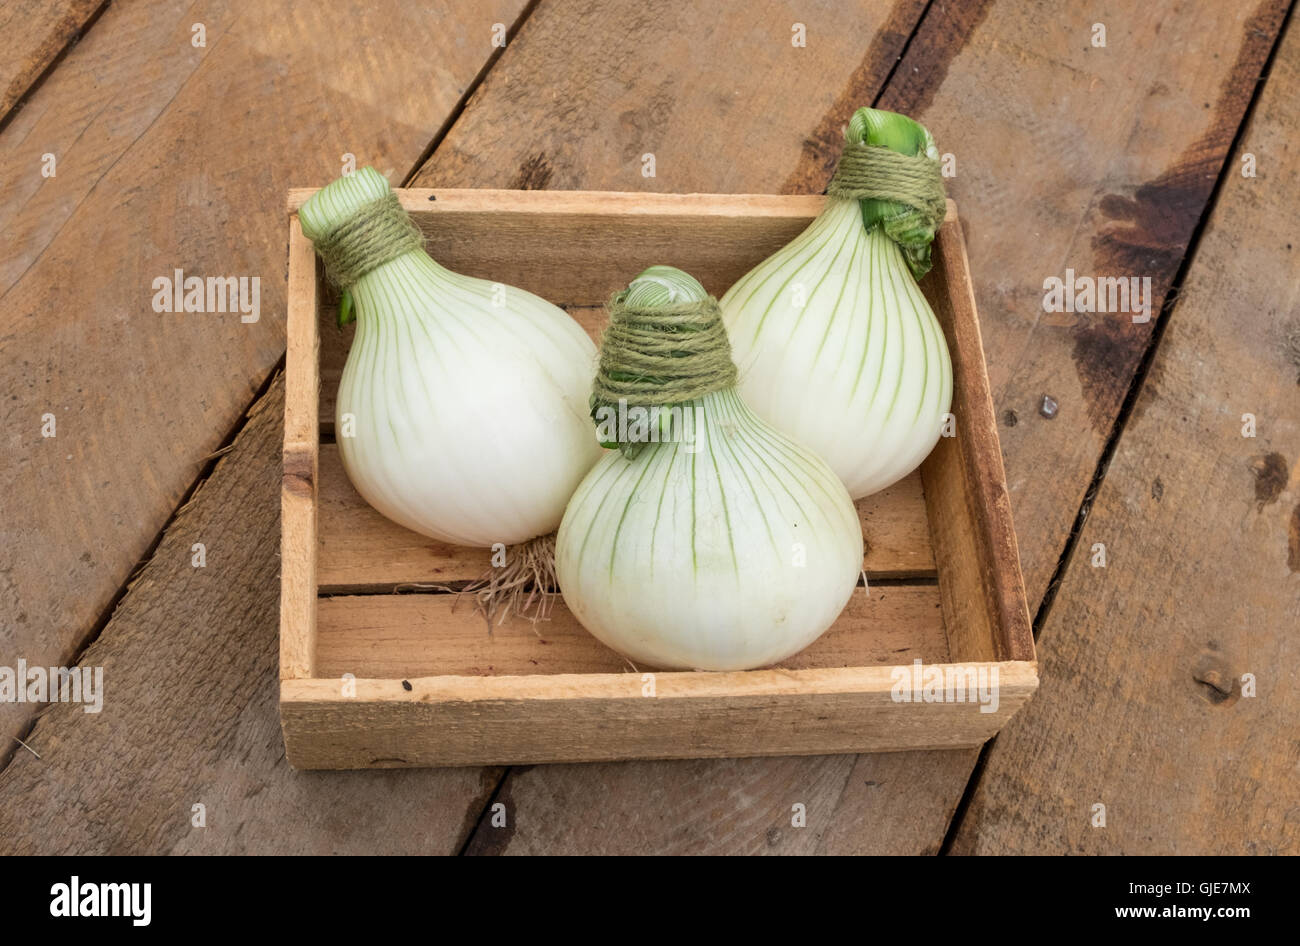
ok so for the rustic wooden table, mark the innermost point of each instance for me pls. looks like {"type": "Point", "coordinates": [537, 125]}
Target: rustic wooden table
{"type": "Point", "coordinates": [1147, 138]}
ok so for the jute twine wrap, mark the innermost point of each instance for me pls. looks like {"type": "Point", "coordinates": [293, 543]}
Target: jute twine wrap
{"type": "Point", "coordinates": [378, 232]}
{"type": "Point", "coordinates": [659, 355]}
{"type": "Point", "coordinates": [913, 182]}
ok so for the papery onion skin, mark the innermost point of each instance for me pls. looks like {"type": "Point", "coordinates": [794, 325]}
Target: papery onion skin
{"type": "Point", "coordinates": [731, 557]}
{"type": "Point", "coordinates": [458, 417]}
{"type": "Point", "coordinates": [838, 348]}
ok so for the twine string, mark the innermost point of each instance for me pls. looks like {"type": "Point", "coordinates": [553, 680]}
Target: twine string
{"type": "Point", "coordinates": [659, 355]}
{"type": "Point", "coordinates": [378, 232]}
{"type": "Point", "coordinates": [911, 182]}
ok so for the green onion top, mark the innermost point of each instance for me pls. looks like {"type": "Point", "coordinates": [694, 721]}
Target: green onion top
{"type": "Point", "coordinates": [891, 166]}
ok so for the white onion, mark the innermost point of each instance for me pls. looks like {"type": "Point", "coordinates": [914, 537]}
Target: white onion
{"type": "Point", "coordinates": [467, 399]}
{"type": "Point", "coordinates": [838, 348]}
{"type": "Point", "coordinates": [730, 549]}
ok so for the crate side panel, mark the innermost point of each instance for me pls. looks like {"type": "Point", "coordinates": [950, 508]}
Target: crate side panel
{"type": "Point", "coordinates": [965, 484]}
{"type": "Point", "coordinates": [968, 507]}
{"type": "Point", "coordinates": [367, 733]}
{"type": "Point", "coordinates": [300, 468]}
{"type": "Point", "coordinates": [578, 247]}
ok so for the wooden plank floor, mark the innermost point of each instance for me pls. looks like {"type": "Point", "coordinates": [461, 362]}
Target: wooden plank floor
{"type": "Point", "coordinates": [167, 157]}
{"type": "Point", "coordinates": [1101, 159]}
{"type": "Point", "coordinates": [1183, 705]}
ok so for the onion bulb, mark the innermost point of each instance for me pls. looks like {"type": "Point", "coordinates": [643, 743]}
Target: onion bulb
{"type": "Point", "coordinates": [836, 345]}
{"type": "Point", "coordinates": [708, 541]}
{"type": "Point", "coordinates": [462, 409]}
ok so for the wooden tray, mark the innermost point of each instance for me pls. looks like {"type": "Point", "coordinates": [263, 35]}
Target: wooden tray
{"type": "Point", "coordinates": [376, 673]}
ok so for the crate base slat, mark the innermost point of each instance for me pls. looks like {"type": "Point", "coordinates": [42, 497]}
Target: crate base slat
{"type": "Point", "coordinates": [362, 552]}
{"type": "Point", "coordinates": [422, 635]}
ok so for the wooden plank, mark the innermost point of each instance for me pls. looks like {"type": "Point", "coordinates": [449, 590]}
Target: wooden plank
{"type": "Point", "coordinates": [866, 804]}
{"type": "Point", "coordinates": [723, 99]}
{"type": "Point", "coordinates": [458, 720]}
{"type": "Point", "coordinates": [579, 247]}
{"type": "Point", "coordinates": [300, 471]}
{"type": "Point", "coordinates": [1006, 98]}
{"type": "Point", "coordinates": [150, 180]}
{"type": "Point", "coordinates": [425, 635]}
{"type": "Point", "coordinates": [1149, 715]}
{"type": "Point", "coordinates": [190, 713]}
{"type": "Point", "coordinates": [32, 35]}
{"type": "Point", "coordinates": [362, 552]}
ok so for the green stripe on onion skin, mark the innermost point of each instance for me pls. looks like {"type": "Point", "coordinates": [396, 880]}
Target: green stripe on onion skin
{"type": "Point", "coordinates": [836, 345]}
{"type": "Point", "coordinates": [462, 407]}
{"type": "Point", "coordinates": [727, 548]}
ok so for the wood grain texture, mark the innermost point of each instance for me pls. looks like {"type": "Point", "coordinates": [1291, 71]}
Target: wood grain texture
{"type": "Point", "coordinates": [424, 635]}
{"type": "Point", "coordinates": [172, 156]}
{"type": "Point", "coordinates": [716, 92]}
{"type": "Point", "coordinates": [1096, 159]}
{"type": "Point", "coordinates": [1144, 708]}
{"type": "Point", "coordinates": [467, 720]}
{"type": "Point", "coordinates": [866, 804]}
{"type": "Point", "coordinates": [32, 35]}
{"type": "Point", "coordinates": [579, 247]}
{"type": "Point", "coordinates": [967, 509]}
{"type": "Point", "coordinates": [190, 712]}
{"type": "Point", "coordinates": [1002, 78]}
{"type": "Point", "coordinates": [361, 551]}
{"type": "Point", "coordinates": [300, 470]}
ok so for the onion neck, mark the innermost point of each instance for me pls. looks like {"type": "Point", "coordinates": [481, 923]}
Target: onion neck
{"type": "Point", "coordinates": [880, 246]}
{"type": "Point", "coordinates": [396, 286]}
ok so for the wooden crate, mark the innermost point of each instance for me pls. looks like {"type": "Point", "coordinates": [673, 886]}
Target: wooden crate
{"type": "Point", "coordinates": [375, 672]}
